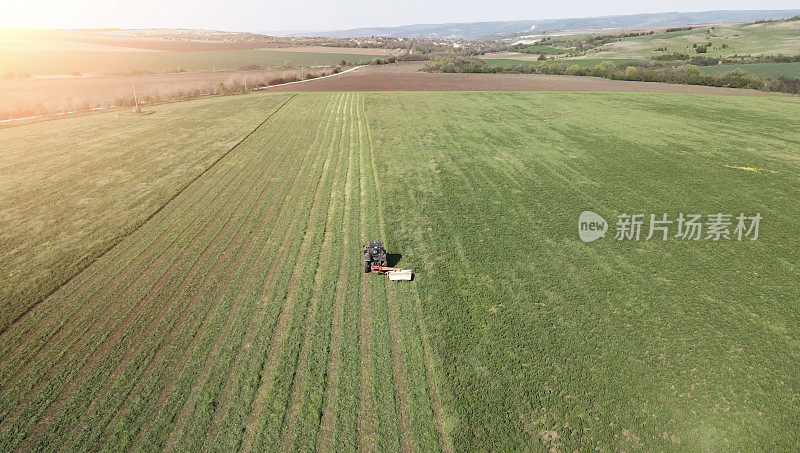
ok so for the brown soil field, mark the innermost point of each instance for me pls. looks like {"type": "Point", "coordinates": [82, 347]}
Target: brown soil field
{"type": "Point", "coordinates": [408, 77]}
{"type": "Point", "coordinates": [71, 93]}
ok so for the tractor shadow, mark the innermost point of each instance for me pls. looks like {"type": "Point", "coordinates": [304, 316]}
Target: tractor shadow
{"type": "Point", "coordinates": [392, 259]}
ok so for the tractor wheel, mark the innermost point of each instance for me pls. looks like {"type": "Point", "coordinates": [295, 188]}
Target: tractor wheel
{"type": "Point", "coordinates": [367, 267]}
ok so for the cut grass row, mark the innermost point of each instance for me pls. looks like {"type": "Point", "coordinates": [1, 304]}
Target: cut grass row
{"type": "Point", "coordinates": [214, 326]}
{"type": "Point", "coordinates": [74, 187]}
{"type": "Point", "coordinates": [239, 317]}
{"type": "Point", "coordinates": [144, 304]}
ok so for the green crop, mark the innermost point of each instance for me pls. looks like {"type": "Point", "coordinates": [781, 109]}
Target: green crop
{"type": "Point", "coordinates": [238, 316]}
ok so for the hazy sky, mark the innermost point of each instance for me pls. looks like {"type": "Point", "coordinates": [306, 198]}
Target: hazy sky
{"type": "Point", "coordinates": [255, 15]}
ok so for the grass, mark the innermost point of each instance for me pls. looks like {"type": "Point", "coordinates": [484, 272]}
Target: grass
{"type": "Point", "coordinates": [110, 172]}
{"type": "Point", "coordinates": [545, 49]}
{"type": "Point", "coordinates": [758, 69]}
{"type": "Point", "coordinates": [582, 63]}
{"type": "Point", "coordinates": [122, 62]}
{"type": "Point", "coordinates": [239, 317]}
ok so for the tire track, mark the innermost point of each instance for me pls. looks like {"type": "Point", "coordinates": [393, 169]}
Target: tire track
{"type": "Point", "coordinates": [407, 443]}
{"type": "Point", "coordinates": [366, 414]}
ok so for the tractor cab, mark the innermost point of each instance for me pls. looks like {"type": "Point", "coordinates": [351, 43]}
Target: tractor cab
{"type": "Point", "coordinates": [374, 255]}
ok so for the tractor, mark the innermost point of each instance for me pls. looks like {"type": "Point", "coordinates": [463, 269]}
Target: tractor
{"type": "Point", "coordinates": [376, 260]}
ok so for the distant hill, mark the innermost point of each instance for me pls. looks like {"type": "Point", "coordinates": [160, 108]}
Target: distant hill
{"type": "Point", "coordinates": [478, 30]}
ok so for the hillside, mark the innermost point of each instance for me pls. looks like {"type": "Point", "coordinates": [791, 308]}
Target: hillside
{"type": "Point", "coordinates": [478, 30]}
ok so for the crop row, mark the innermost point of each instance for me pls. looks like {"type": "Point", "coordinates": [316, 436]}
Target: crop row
{"type": "Point", "coordinates": [238, 317]}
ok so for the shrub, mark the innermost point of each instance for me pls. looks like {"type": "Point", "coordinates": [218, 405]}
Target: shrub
{"type": "Point", "coordinates": [783, 84]}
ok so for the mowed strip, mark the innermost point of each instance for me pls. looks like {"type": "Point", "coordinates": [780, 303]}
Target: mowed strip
{"type": "Point", "coordinates": [244, 163]}
{"type": "Point", "coordinates": [238, 318]}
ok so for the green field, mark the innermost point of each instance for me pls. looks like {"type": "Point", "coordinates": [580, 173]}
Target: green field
{"type": "Point", "coordinates": [770, 38]}
{"type": "Point", "coordinates": [545, 49]}
{"type": "Point", "coordinates": [759, 69]}
{"type": "Point", "coordinates": [238, 317]}
{"type": "Point", "coordinates": [122, 62]}
{"type": "Point", "coordinates": [582, 63]}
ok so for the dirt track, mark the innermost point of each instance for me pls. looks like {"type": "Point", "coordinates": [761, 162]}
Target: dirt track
{"type": "Point", "coordinates": [407, 77]}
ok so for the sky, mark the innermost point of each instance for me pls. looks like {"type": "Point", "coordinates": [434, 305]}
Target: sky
{"type": "Point", "coordinates": [265, 16]}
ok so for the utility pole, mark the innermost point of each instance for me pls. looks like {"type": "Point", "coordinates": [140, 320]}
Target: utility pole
{"type": "Point", "coordinates": [135, 99]}
{"type": "Point", "coordinates": [245, 81]}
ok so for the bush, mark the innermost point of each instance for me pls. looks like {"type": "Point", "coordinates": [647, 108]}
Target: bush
{"type": "Point", "coordinates": [783, 84]}
{"type": "Point", "coordinates": [459, 64]}
{"type": "Point", "coordinates": [671, 57]}
{"type": "Point", "coordinates": [639, 71]}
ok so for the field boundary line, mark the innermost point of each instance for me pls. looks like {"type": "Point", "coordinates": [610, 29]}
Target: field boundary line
{"type": "Point", "coordinates": [406, 440]}
{"type": "Point", "coordinates": [168, 389]}
{"type": "Point", "coordinates": [147, 219]}
{"type": "Point", "coordinates": [82, 338]}
{"type": "Point", "coordinates": [81, 290]}
{"type": "Point", "coordinates": [200, 379]}
{"type": "Point", "coordinates": [445, 443]}
{"type": "Point", "coordinates": [178, 368]}
{"type": "Point", "coordinates": [81, 341]}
